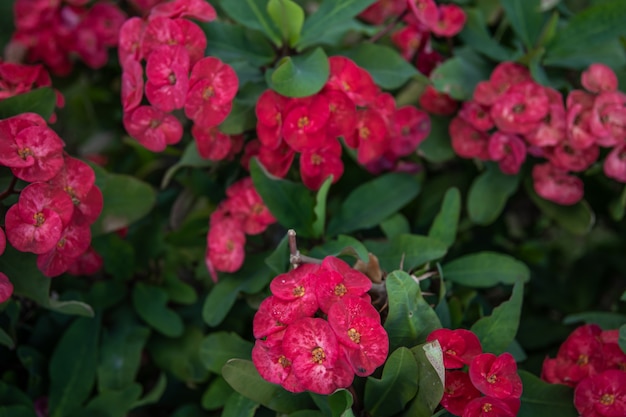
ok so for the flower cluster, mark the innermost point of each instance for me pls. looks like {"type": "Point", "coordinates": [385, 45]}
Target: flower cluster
{"type": "Point", "coordinates": [242, 212]}
{"type": "Point", "coordinates": [351, 106]}
{"type": "Point", "coordinates": [178, 76]}
{"type": "Point", "coordinates": [490, 385]}
{"type": "Point", "coordinates": [52, 31]}
{"type": "Point", "coordinates": [511, 116]}
{"type": "Point", "coordinates": [53, 214]}
{"type": "Point", "coordinates": [591, 361]}
{"type": "Point", "coordinates": [299, 349]}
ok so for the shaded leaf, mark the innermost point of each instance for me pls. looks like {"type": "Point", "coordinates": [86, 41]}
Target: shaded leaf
{"type": "Point", "coordinates": [489, 193]}
{"type": "Point", "coordinates": [150, 303]}
{"type": "Point", "coordinates": [40, 101]}
{"type": "Point", "coordinates": [485, 269]}
{"type": "Point", "coordinates": [180, 356]}
{"type": "Point", "coordinates": [437, 148]}
{"type": "Point", "coordinates": [446, 222]}
{"type": "Point", "coordinates": [239, 406]}
{"type": "Point", "coordinates": [218, 348]}
{"type": "Point", "coordinates": [234, 43]}
{"type": "Point", "coordinates": [252, 14]}
{"type": "Point", "coordinates": [301, 75]}
{"type": "Point", "coordinates": [541, 399]}
{"type": "Point", "coordinates": [526, 19]}
{"type": "Point", "coordinates": [342, 245]}
{"type": "Point", "coordinates": [288, 17]}
{"type": "Point", "coordinates": [395, 225]}
{"type": "Point", "coordinates": [114, 403]}
{"type": "Point", "coordinates": [458, 76]}
{"type": "Point", "coordinates": [408, 251]}
{"type": "Point", "coordinates": [606, 320]}
{"type": "Point", "coordinates": [476, 35]}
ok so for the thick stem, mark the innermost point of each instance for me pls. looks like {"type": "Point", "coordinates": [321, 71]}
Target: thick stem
{"type": "Point", "coordinates": [295, 257]}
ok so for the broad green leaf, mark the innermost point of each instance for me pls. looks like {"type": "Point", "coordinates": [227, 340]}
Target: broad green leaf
{"type": "Point", "coordinates": [605, 319]}
{"type": "Point", "coordinates": [114, 403]}
{"type": "Point", "coordinates": [445, 225]}
{"type": "Point", "coordinates": [36, 364]}
{"type": "Point", "coordinates": [489, 193]}
{"type": "Point", "coordinates": [178, 291]}
{"type": "Point", "coordinates": [150, 303]}
{"type": "Point", "coordinates": [497, 331]}
{"type": "Point", "coordinates": [541, 399]}
{"type": "Point", "coordinates": [301, 75]}
{"type": "Point", "coordinates": [476, 35]}
{"type": "Point", "coordinates": [180, 356]}
{"type": "Point", "coordinates": [431, 372]}
{"type": "Point", "coordinates": [29, 282]}
{"type": "Point", "coordinates": [526, 19]}
{"type": "Point", "coordinates": [288, 17]}
{"type": "Point", "coordinates": [120, 355]}
{"type": "Point", "coordinates": [437, 148]}
{"type": "Point", "coordinates": [586, 32]}
{"type": "Point", "coordinates": [335, 35]}
{"type": "Point", "coordinates": [190, 158]}
{"type": "Point", "coordinates": [342, 245]}
{"type": "Point", "coordinates": [278, 261]}
{"type": "Point", "coordinates": [577, 219]}
{"type": "Point", "coordinates": [40, 101]}
{"type": "Point", "coordinates": [307, 413]}
{"type": "Point", "coordinates": [220, 347]}
{"type": "Point", "coordinates": [155, 393]}
{"type": "Point", "coordinates": [239, 406]}
{"type": "Point", "coordinates": [610, 53]}
{"type": "Point", "coordinates": [373, 202]}
{"type": "Point", "coordinates": [216, 395]}
{"type": "Point", "coordinates": [395, 225]}
{"type": "Point", "coordinates": [252, 14]}
{"type": "Point", "coordinates": [234, 43]}
{"type": "Point", "coordinates": [245, 379]}
{"type": "Point", "coordinates": [622, 338]}
{"type": "Point", "coordinates": [126, 200]}
{"type": "Point", "coordinates": [408, 251]}
{"type": "Point", "coordinates": [320, 208]}
{"type": "Point", "coordinates": [291, 203]}
{"type": "Point", "coordinates": [338, 404]}
{"type": "Point", "coordinates": [118, 255]}
{"type": "Point", "coordinates": [330, 14]}
{"type": "Point", "coordinates": [485, 269]}
{"type": "Point", "coordinates": [242, 117]}
{"type": "Point", "coordinates": [458, 76]}
{"type": "Point", "coordinates": [73, 367]}
{"type": "Point", "coordinates": [410, 317]}
{"type": "Point", "coordinates": [386, 396]}
{"type": "Point", "coordinates": [12, 395]}
{"type": "Point", "coordinates": [6, 340]}
{"type": "Point", "coordinates": [386, 66]}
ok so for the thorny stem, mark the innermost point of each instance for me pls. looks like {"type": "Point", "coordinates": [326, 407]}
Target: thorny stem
{"type": "Point", "coordinates": [10, 189]}
{"type": "Point", "coordinates": [295, 257]}
{"type": "Point", "coordinates": [388, 28]}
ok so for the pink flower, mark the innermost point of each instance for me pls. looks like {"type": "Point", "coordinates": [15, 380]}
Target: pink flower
{"type": "Point", "coordinates": [410, 127]}
{"type": "Point", "coordinates": [436, 102]}
{"type": "Point", "coordinates": [225, 246]}
{"type": "Point", "coordinates": [599, 78]}
{"type": "Point", "coordinates": [521, 108]}
{"type": "Point", "coordinates": [554, 184]}
{"type": "Point", "coordinates": [298, 287]}
{"type": "Point", "coordinates": [602, 395]}
{"type": "Point", "coordinates": [153, 128]}
{"type": "Point", "coordinates": [353, 80]}
{"type": "Point", "coordinates": [269, 358]}
{"type": "Point", "coordinates": [319, 163]}
{"type": "Point", "coordinates": [338, 280]}
{"type": "Point", "coordinates": [459, 346]}
{"type": "Point", "coordinates": [195, 9]}
{"type": "Point", "coordinates": [492, 407]}
{"type": "Point", "coordinates": [6, 288]}
{"type": "Point", "coordinates": [3, 241]}
{"type": "Point", "coordinates": [467, 141]}
{"type": "Point", "coordinates": [496, 376]}
{"type": "Point", "coordinates": [458, 392]}
{"type": "Point", "coordinates": [304, 126]}
{"type": "Point", "coordinates": [167, 69]}
{"type": "Point", "coordinates": [132, 85]}
{"type": "Point", "coordinates": [615, 163]}
{"type": "Point", "coordinates": [508, 150]}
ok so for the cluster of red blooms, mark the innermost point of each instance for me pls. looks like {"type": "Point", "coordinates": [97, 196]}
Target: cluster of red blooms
{"type": "Point", "coordinates": [591, 361]}
{"type": "Point", "coordinates": [243, 212]}
{"type": "Point", "coordinates": [510, 115]}
{"type": "Point", "coordinates": [299, 349]}
{"type": "Point", "coordinates": [178, 76]}
{"type": "Point", "coordinates": [51, 31]}
{"type": "Point", "coordinates": [425, 19]}
{"type": "Point", "coordinates": [351, 106]}
{"type": "Point", "coordinates": [490, 386]}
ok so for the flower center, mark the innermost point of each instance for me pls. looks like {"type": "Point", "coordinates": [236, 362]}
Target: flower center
{"type": "Point", "coordinates": [284, 362]}
{"type": "Point", "coordinates": [364, 132]}
{"type": "Point", "coordinates": [303, 122]}
{"type": "Point", "coordinates": [316, 159]}
{"type": "Point", "coordinates": [340, 290]}
{"type": "Point", "coordinates": [492, 379]}
{"type": "Point", "coordinates": [582, 360]}
{"type": "Point", "coordinates": [487, 407]}
{"type": "Point", "coordinates": [24, 153]}
{"type": "Point", "coordinates": [208, 92]}
{"type": "Point", "coordinates": [354, 335]}
{"type": "Point", "coordinates": [298, 291]}
{"type": "Point", "coordinates": [451, 352]}
{"type": "Point", "coordinates": [607, 399]}
{"type": "Point", "coordinates": [318, 355]}
{"type": "Point", "coordinates": [171, 78]}
{"type": "Point", "coordinates": [519, 108]}
{"type": "Point", "coordinates": [39, 219]}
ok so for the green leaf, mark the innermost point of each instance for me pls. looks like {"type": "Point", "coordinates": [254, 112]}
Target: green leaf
{"type": "Point", "coordinates": [278, 261]}
{"type": "Point", "coordinates": [431, 374]}
{"type": "Point", "coordinates": [334, 36]}
{"type": "Point", "coordinates": [245, 379]}
{"type": "Point", "coordinates": [234, 43]}
{"type": "Point", "coordinates": [497, 331]}
{"type": "Point", "coordinates": [541, 399]}
{"type": "Point", "coordinates": [437, 148]}
{"type": "Point", "coordinates": [320, 208]}
{"type": "Point", "coordinates": [239, 406]}
{"type": "Point", "coordinates": [73, 367]}
{"type": "Point", "coordinates": [395, 225]}
{"type": "Point", "coordinates": [217, 394]}
{"type": "Point", "coordinates": [291, 203]}
{"type": "Point", "coordinates": [605, 319]}
{"type": "Point", "coordinates": [577, 219]}
{"type": "Point", "coordinates": [446, 222]}
{"type": "Point", "coordinates": [329, 15]}
{"type": "Point", "coordinates": [114, 403]}
{"type": "Point", "coordinates": [526, 19]}
{"type": "Point", "coordinates": [299, 76]}
{"type": "Point", "coordinates": [40, 101]}
{"type": "Point", "coordinates": [489, 193]}
{"type": "Point", "coordinates": [410, 317]}
{"type": "Point", "coordinates": [288, 17]}
{"type": "Point", "coordinates": [372, 202]}
{"type": "Point", "coordinates": [120, 355]}
{"type": "Point", "coordinates": [593, 28]}
{"type": "Point", "coordinates": [386, 66]}
{"type": "Point", "coordinates": [476, 35]}
{"type": "Point", "coordinates": [386, 396]}
{"type": "Point", "coordinates": [485, 269]}
{"type": "Point", "coordinates": [242, 116]}
{"type": "Point", "coordinates": [252, 14]}
{"type": "Point", "coordinates": [338, 404]}
{"type": "Point", "coordinates": [458, 76]}
{"type": "Point", "coordinates": [408, 251]}
{"type": "Point", "coordinates": [342, 245]}
{"type": "Point", "coordinates": [622, 338]}
{"type": "Point", "coordinates": [118, 255]}
{"type": "Point", "coordinates": [190, 158]}
{"type": "Point", "coordinates": [180, 356]}
{"type": "Point", "coordinates": [155, 393]}
{"type": "Point", "coordinates": [218, 348]}
{"type": "Point", "coordinates": [6, 340]}
{"type": "Point", "coordinates": [126, 199]}
{"type": "Point", "coordinates": [150, 302]}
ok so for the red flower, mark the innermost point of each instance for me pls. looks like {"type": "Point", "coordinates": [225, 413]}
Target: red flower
{"type": "Point", "coordinates": [409, 39]}
{"type": "Point", "coordinates": [476, 115]}
{"type": "Point", "coordinates": [319, 163]}
{"type": "Point", "coordinates": [73, 242]}
{"type": "Point", "coordinates": [615, 163]}
{"type": "Point", "coordinates": [554, 184]}
{"type": "Point", "coordinates": [410, 127]}
{"type": "Point", "coordinates": [225, 246]}
{"type": "Point", "coordinates": [274, 315]}
{"type": "Point", "coordinates": [599, 78]}
{"type": "Point", "coordinates": [602, 395]}
{"type": "Point", "coordinates": [277, 161]}
{"type": "Point", "coordinates": [370, 136]}
{"type": "Point", "coordinates": [458, 392]}
{"type": "Point", "coordinates": [132, 85]}
{"type": "Point", "coordinates": [578, 125]}
{"type": "Point", "coordinates": [246, 205]}
{"type": "Point", "coordinates": [130, 40]}
{"type": "Point", "coordinates": [425, 11]}
{"type": "Point", "coordinates": [357, 326]}
{"type": "Point", "coordinates": [492, 407]}
{"type": "Point", "coordinates": [496, 376]}
{"type": "Point", "coordinates": [342, 117]}
{"type": "Point", "coordinates": [552, 129]}
{"type": "Point", "coordinates": [304, 126]}
{"type": "Point", "coordinates": [159, 31]}
{"type": "Point", "coordinates": [86, 264]}
{"type": "Point", "coordinates": [269, 359]}
{"type": "Point", "coordinates": [450, 21]}
{"type": "Point", "coordinates": [167, 70]}
{"type": "Point", "coordinates": [436, 102]}
{"type": "Point", "coordinates": [509, 150]}
{"type": "Point", "coordinates": [36, 221]}
{"type": "Point", "coordinates": [194, 39]}
{"type": "Point", "coordinates": [608, 117]}
{"type": "Point", "coordinates": [381, 10]}
{"type": "Point", "coordinates": [195, 9]}
{"type": "Point", "coordinates": [459, 346]}
{"type": "Point", "coordinates": [467, 141]}
{"type": "Point", "coordinates": [566, 157]}
{"type": "Point", "coordinates": [153, 128]}
{"type": "Point", "coordinates": [317, 360]}
{"type": "Point", "coordinates": [337, 280]}
{"type": "Point", "coordinates": [270, 111]}
{"type": "Point", "coordinates": [521, 108]}
{"type": "Point", "coordinates": [6, 288]}
{"type": "Point", "coordinates": [212, 144]}
{"type": "Point", "coordinates": [503, 77]}
{"type": "Point", "coordinates": [353, 80]}
{"type": "Point", "coordinates": [298, 287]}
